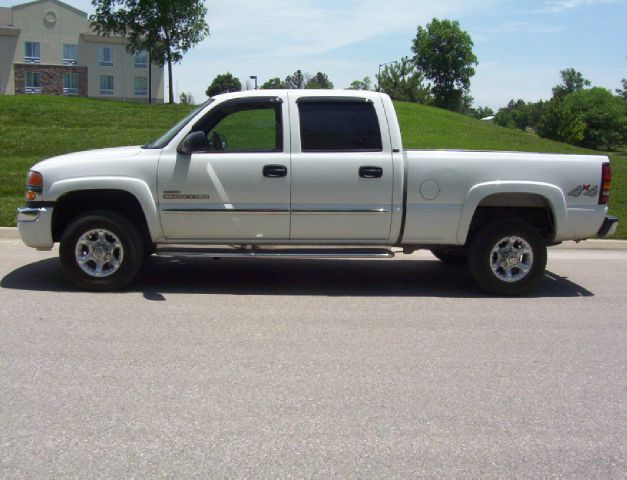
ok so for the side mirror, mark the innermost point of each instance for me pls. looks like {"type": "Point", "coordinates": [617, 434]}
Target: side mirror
{"type": "Point", "coordinates": [193, 142]}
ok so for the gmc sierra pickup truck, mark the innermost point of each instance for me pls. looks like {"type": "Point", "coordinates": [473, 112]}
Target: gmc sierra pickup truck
{"type": "Point", "coordinates": [306, 173]}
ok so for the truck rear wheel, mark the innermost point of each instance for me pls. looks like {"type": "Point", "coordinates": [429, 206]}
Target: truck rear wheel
{"type": "Point", "coordinates": [507, 257]}
{"type": "Point", "coordinates": [101, 251]}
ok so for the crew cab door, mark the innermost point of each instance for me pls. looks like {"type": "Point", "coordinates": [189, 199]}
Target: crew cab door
{"type": "Point", "coordinates": [342, 177]}
{"type": "Point", "coordinates": [235, 185]}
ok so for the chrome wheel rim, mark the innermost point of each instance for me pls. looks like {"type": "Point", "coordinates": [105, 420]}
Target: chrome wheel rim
{"type": "Point", "coordinates": [511, 259]}
{"type": "Point", "coordinates": [99, 253]}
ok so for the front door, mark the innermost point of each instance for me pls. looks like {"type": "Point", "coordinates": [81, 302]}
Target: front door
{"type": "Point", "coordinates": [235, 187]}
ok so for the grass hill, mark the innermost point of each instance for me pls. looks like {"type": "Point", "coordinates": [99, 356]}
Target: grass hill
{"type": "Point", "coordinates": [33, 128]}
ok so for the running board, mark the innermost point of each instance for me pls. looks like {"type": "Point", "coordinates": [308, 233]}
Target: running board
{"type": "Point", "coordinates": [276, 252]}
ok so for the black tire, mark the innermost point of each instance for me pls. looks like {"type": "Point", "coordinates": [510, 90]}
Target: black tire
{"type": "Point", "coordinates": [116, 237]}
{"type": "Point", "coordinates": [490, 269]}
{"type": "Point", "coordinates": [451, 255]}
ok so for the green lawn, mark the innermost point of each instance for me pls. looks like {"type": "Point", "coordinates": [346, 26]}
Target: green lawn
{"type": "Point", "coordinates": [33, 128]}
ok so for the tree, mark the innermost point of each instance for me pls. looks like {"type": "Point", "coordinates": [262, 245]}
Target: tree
{"type": "Point", "coordinates": [521, 115]}
{"type": "Point", "coordinates": [166, 29]}
{"type": "Point", "coordinates": [604, 116]}
{"type": "Point", "coordinates": [273, 84]}
{"type": "Point", "coordinates": [319, 81]}
{"type": "Point", "coordinates": [480, 112]}
{"type": "Point", "coordinates": [365, 84]}
{"type": "Point", "coordinates": [572, 81]}
{"type": "Point", "coordinates": [443, 53]}
{"type": "Point", "coordinates": [622, 92]}
{"type": "Point", "coordinates": [514, 115]}
{"type": "Point", "coordinates": [224, 83]}
{"type": "Point", "coordinates": [295, 81]}
{"type": "Point", "coordinates": [402, 81]}
{"type": "Point", "coordinates": [561, 122]}
{"type": "Point", "coordinates": [186, 99]}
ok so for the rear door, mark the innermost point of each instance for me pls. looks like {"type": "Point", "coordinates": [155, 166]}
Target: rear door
{"type": "Point", "coordinates": [342, 177]}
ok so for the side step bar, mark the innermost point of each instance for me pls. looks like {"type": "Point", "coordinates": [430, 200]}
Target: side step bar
{"type": "Point", "coordinates": [275, 252]}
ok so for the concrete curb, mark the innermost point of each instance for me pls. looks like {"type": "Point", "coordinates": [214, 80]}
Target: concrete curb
{"type": "Point", "coordinates": [11, 233]}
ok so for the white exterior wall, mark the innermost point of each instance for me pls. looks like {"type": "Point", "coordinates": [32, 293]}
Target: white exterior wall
{"type": "Point", "coordinates": [52, 24]}
{"type": "Point", "coordinates": [8, 45]}
{"type": "Point", "coordinates": [34, 22]}
{"type": "Point", "coordinates": [123, 69]}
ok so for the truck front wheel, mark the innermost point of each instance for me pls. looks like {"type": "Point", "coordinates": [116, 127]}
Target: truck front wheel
{"type": "Point", "coordinates": [101, 251]}
{"type": "Point", "coordinates": [507, 257]}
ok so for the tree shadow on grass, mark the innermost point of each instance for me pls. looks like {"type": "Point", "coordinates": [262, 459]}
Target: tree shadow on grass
{"type": "Point", "coordinates": [333, 278]}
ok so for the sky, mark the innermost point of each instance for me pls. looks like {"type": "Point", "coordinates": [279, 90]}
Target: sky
{"type": "Point", "coordinates": [521, 45]}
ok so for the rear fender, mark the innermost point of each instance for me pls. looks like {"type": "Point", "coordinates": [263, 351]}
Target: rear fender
{"type": "Point", "coordinates": [552, 194]}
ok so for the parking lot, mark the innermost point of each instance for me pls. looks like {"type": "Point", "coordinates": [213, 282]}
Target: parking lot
{"type": "Point", "coordinates": [313, 369]}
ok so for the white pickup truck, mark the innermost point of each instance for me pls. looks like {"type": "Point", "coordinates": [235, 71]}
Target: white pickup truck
{"type": "Point", "coordinates": [309, 173]}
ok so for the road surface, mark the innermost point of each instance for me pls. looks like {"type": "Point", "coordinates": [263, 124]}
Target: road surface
{"type": "Point", "coordinates": [313, 369]}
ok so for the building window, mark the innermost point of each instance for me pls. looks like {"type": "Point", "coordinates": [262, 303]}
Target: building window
{"type": "Point", "coordinates": [141, 59]}
{"type": "Point", "coordinates": [106, 84]}
{"type": "Point", "coordinates": [69, 54]}
{"type": "Point", "coordinates": [32, 52]}
{"type": "Point", "coordinates": [141, 86]}
{"type": "Point", "coordinates": [70, 84]}
{"type": "Point", "coordinates": [106, 56]}
{"type": "Point", "coordinates": [32, 83]}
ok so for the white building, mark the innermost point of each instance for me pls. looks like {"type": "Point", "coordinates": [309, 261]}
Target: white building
{"type": "Point", "coordinates": [48, 47]}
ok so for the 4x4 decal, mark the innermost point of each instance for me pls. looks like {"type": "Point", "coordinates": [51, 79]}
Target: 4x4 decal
{"type": "Point", "coordinates": [584, 190]}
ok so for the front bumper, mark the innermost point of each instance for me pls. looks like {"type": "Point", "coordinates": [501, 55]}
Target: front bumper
{"type": "Point", "coordinates": [608, 228]}
{"type": "Point", "coordinates": [35, 227]}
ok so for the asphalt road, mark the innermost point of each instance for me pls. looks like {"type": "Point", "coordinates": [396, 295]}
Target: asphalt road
{"type": "Point", "coordinates": [313, 369]}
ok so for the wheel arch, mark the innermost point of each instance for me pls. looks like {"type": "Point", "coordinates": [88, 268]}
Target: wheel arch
{"type": "Point", "coordinates": [131, 198]}
{"type": "Point", "coordinates": [541, 204]}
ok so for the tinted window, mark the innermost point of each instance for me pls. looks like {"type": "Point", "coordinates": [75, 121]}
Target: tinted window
{"type": "Point", "coordinates": [339, 126]}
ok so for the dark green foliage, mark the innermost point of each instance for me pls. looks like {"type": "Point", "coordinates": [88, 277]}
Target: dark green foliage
{"type": "Point", "coordinates": [402, 81]}
{"type": "Point", "coordinates": [223, 83]}
{"type": "Point", "coordinates": [572, 81]}
{"type": "Point", "coordinates": [561, 122]}
{"type": "Point", "coordinates": [479, 112]}
{"type": "Point", "coordinates": [592, 118]}
{"type": "Point", "coordinates": [319, 81]}
{"type": "Point", "coordinates": [514, 115]}
{"type": "Point", "coordinates": [587, 117]}
{"type": "Point", "coordinates": [273, 84]}
{"type": "Point", "coordinates": [167, 29]}
{"type": "Point", "coordinates": [443, 53]}
{"type": "Point", "coordinates": [622, 92]}
{"type": "Point", "coordinates": [295, 81]}
{"type": "Point", "coordinates": [604, 115]}
{"type": "Point", "coordinates": [365, 84]}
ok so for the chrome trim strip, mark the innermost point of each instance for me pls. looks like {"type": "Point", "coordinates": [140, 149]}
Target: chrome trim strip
{"type": "Point", "coordinates": [28, 214]}
{"type": "Point", "coordinates": [260, 211]}
{"type": "Point", "coordinates": [374, 211]}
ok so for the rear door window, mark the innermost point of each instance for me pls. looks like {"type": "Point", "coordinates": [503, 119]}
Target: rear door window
{"type": "Point", "coordinates": [338, 126]}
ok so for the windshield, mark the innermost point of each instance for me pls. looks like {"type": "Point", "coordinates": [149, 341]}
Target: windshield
{"type": "Point", "coordinates": [170, 134]}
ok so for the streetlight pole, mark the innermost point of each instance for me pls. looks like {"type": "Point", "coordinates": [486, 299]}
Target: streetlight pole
{"type": "Point", "coordinates": [254, 77]}
{"type": "Point", "coordinates": [379, 76]}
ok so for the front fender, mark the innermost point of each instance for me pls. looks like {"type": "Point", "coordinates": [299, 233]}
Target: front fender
{"type": "Point", "coordinates": [136, 187]}
{"type": "Point", "coordinates": [551, 193]}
